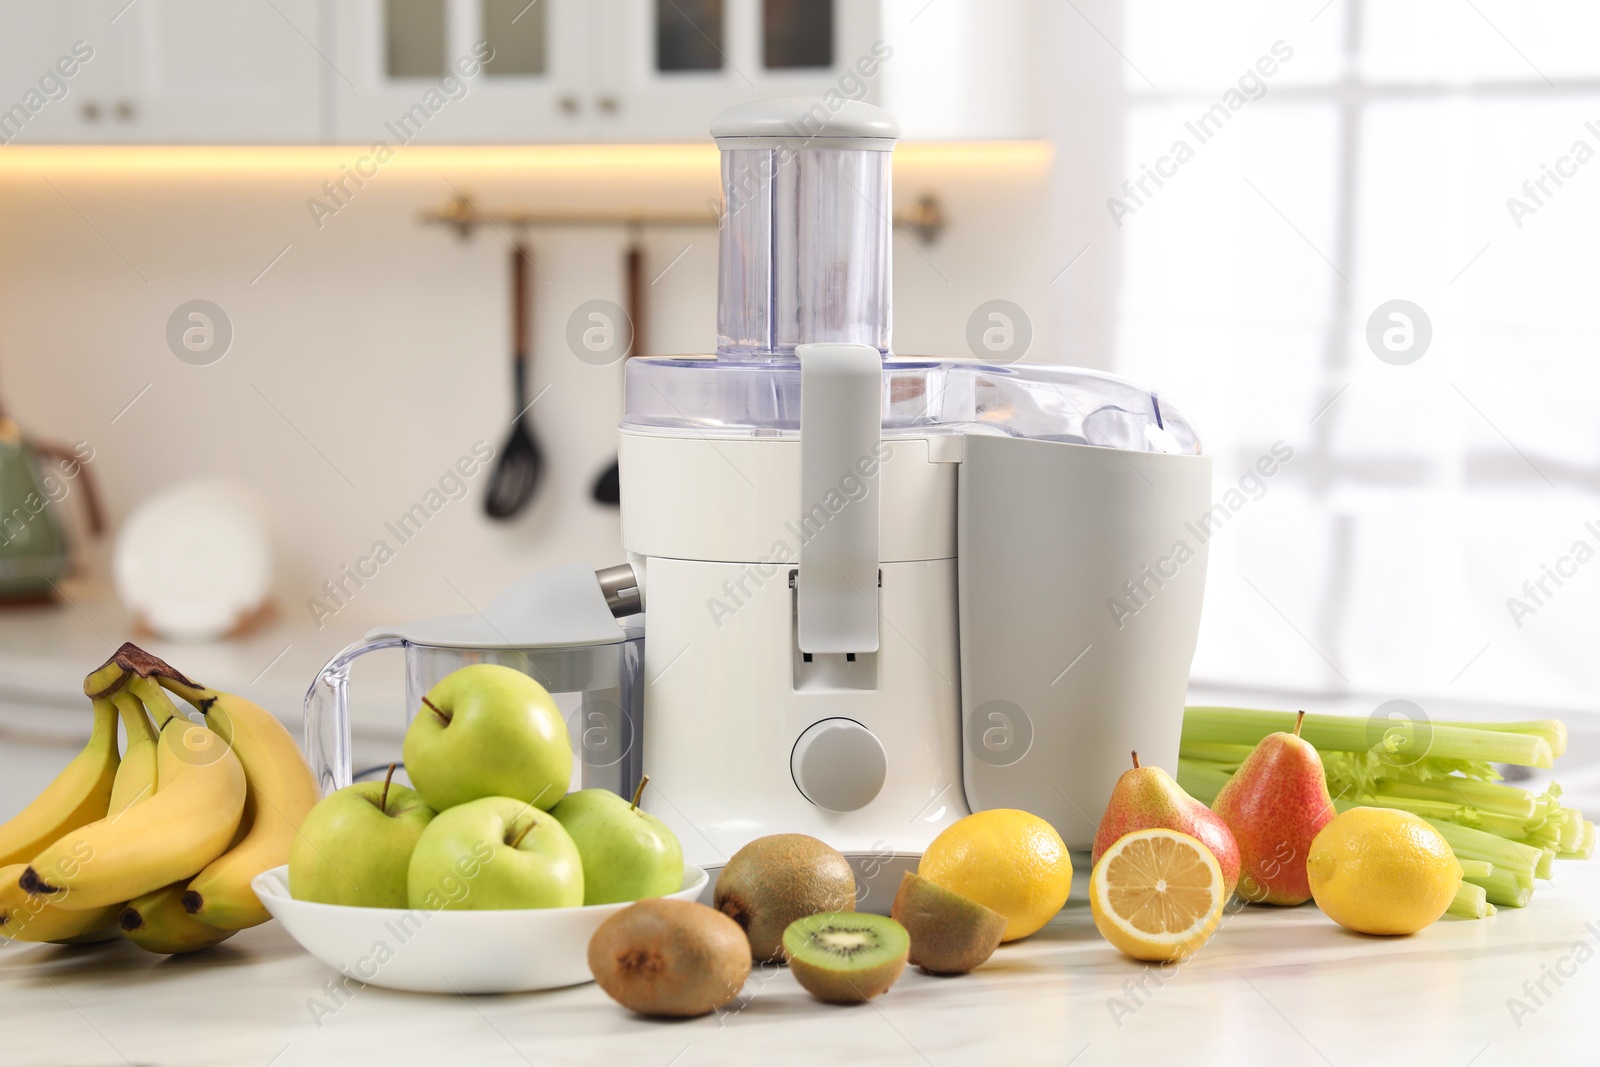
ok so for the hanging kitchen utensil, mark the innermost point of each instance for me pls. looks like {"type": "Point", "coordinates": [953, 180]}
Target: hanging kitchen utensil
{"type": "Point", "coordinates": [521, 464]}
{"type": "Point", "coordinates": [35, 550]}
{"type": "Point", "coordinates": [608, 486]}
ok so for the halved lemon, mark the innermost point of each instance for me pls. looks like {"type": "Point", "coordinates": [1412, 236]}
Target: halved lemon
{"type": "Point", "coordinates": [1157, 895]}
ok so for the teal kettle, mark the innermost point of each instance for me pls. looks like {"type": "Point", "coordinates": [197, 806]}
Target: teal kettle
{"type": "Point", "coordinates": [35, 479]}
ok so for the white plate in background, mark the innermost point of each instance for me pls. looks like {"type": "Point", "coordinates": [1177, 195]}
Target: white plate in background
{"type": "Point", "coordinates": [193, 560]}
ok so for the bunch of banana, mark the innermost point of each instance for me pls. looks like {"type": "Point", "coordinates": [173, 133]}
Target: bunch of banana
{"type": "Point", "coordinates": [161, 846]}
{"type": "Point", "coordinates": [185, 824]}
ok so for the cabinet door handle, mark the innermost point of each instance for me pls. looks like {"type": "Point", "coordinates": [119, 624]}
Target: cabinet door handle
{"type": "Point", "coordinates": [90, 111]}
{"type": "Point", "coordinates": [126, 111]}
{"type": "Point", "coordinates": [568, 104]}
{"type": "Point", "coordinates": [608, 104]}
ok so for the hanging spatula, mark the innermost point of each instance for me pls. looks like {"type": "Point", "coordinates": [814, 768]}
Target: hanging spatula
{"type": "Point", "coordinates": [521, 465]}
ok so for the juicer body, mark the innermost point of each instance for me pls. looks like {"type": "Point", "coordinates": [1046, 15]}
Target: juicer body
{"type": "Point", "coordinates": [1036, 626]}
{"type": "Point", "coordinates": [717, 530]}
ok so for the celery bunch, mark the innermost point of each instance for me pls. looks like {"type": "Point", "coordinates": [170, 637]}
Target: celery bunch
{"type": "Point", "coordinates": [1504, 837]}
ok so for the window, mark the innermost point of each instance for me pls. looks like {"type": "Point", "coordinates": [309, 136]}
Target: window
{"type": "Point", "coordinates": [1336, 161]}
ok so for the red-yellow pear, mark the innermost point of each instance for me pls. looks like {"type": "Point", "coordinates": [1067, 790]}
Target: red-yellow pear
{"type": "Point", "coordinates": [1146, 798]}
{"type": "Point", "coordinates": [1275, 803]}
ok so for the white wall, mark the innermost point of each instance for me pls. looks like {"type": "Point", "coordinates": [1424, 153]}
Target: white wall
{"type": "Point", "coordinates": [375, 352]}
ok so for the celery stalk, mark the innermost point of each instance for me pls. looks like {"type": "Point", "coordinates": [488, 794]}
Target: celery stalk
{"type": "Point", "coordinates": [1475, 868]}
{"type": "Point", "coordinates": [1343, 733]}
{"type": "Point", "coordinates": [1485, 796]}
{"type": "Point", "coordinates": [1471, 902]}
{"type": "Point", "coordinates": [1228, 755]}
{"type": "Point", "coordinates": [1468, 843]}
{"type": "Point", "coordinates": [1571, 830]}
{"type": "Point", "coordinates": [1502, 826]}
{"type": "Point", "coordinates": [1554, 731]}
{"type": "Point", "coordinates": [1543, 867]}
{"type": "Point", "coordinates": [1585, 847]}
{"type": "Point", "coordinates": [1503, 887]}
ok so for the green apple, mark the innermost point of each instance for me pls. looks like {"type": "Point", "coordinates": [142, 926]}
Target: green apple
{"type": "Point", "coordinates": [493, 854]}
{"type": "Point", "coordinates": [488, 731]}
{"type": "Point", "coordinates": [627, 853]}
{"type": "Point", "coordinates": [354, 847]}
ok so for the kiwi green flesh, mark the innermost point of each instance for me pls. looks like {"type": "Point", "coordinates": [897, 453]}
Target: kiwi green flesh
{"type": "Point", "coordinates": [950, 933]}
{"type": "Point", "coordinates": [846, 957]}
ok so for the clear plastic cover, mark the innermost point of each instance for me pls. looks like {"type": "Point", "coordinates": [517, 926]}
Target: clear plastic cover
{"type": "Point", "coordinates": [760, 397]}
{"type": "Point", "coordinates": [805, 251]}
{"type": "Point", "coordinates": [805, 258]}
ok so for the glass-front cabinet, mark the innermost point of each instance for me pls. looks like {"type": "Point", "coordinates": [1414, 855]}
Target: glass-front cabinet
{"type": "Point", "coordinates": [452, 71]}
{"type": "Point", "coordinates": [603, 70]}
{"type": "Point", "coordinates": [507, 71]}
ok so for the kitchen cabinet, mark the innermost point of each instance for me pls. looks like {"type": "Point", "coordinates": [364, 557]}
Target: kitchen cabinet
{"type": "Point", "coordinates": [659, 70]}
{"type": "Point", "coordinates": [671, 65]}
{"type": "Point", "coordinates": [583, 70]}
{"type": "Point", "coordinates": [415, 70]}
{"type": "Point", "coordinates": [173, 71]}
{"type": "Point", "coordinates": [504, 71]}
{"type": "Point", "coordinates": [53, 59]}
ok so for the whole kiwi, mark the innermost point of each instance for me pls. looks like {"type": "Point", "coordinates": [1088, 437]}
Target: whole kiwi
{"type": "Point", "coordinates": [950, 934]}
{"type": "Point", "coordinates": [669, 957]}
{"type": "Point", "coordinates": [775, 880]}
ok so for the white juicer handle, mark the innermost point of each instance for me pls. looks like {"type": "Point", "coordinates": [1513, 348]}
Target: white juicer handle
{"type": "Point", "coordinates": [841, 413]}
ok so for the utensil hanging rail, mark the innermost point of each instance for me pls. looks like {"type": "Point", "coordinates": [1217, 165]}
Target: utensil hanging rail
{"type": "Point", "coordinates": [924, 217]}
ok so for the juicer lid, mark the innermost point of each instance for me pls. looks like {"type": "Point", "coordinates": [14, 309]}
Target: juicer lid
{"type": "Point", "coordinates": [562, 607]}
{"type": "Point", "coordinates": [797, 122]}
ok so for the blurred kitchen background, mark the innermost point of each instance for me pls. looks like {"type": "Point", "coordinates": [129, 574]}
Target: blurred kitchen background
{"type": "Point", "coordinates": [1337, 155]}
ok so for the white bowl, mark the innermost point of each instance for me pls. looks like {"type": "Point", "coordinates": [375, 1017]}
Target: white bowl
{"type": "Point", "coordinates": [448, 951]}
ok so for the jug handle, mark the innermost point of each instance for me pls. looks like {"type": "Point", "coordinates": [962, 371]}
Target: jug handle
{"type": "Point", "coordinates": [327, 714]}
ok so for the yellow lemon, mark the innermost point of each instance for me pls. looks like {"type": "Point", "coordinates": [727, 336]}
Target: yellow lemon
{"type": "Point", "coordinates": [1157, 894]}
{"type": "Point", "coordinates": [1007, 860]}
{"type": "Point", "coordinates": [1382, 871]}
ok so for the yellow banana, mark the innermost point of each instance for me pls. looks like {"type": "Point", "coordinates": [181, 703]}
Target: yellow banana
{"type": "Point", "coordinates": [281, 791]}
{"type": "Point", "coordinates": [79, 795]}
{"type": "Point", "coordinates": [136, 777]}
{"type": "Point", "coordinates": [30, 918]}
{"type": "Point", "coordinates": [170, 837]}
{"type": "Point", "coordinates": [157, 922]}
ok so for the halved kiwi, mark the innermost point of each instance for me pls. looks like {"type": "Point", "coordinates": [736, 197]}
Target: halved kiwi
{"type": "Point", "coordinates": [846, 957]}
{"type": "Point", "coordinates": [950, 933]}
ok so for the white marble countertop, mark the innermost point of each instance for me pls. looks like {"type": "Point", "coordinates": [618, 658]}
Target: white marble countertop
{"type": "Point", "coordinates": [1284, 987]}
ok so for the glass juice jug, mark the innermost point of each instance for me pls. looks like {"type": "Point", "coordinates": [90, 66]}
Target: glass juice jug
{"type": "Point", "coordinates": [560, 627]}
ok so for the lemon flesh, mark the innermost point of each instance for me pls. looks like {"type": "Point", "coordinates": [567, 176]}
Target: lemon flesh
{"type": "Point", "coordinates": [1157, 895]}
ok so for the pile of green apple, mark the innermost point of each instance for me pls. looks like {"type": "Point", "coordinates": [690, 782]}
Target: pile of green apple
{"type": "Point", "coordinates": [490, 824]}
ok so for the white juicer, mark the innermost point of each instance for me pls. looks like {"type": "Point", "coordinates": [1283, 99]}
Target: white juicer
{"type": "Point", "coordinates": [881, 593]}
{"type": "Point", "coordinates": [878, 593]}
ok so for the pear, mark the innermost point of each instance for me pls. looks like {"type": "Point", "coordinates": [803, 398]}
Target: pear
{"type": "Point", "coordinates": [1275, 803]}
{"type": "Point", "coordinates": [1146, 798]}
